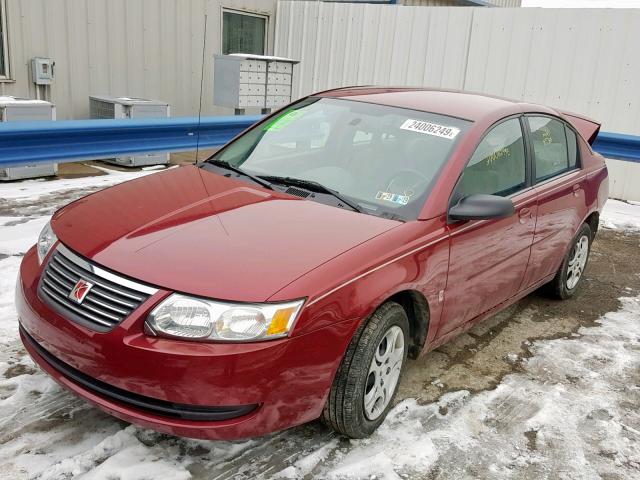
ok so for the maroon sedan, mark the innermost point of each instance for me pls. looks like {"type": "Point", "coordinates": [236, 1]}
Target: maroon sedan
{"type": "Point", "coordinates": [290, 276]}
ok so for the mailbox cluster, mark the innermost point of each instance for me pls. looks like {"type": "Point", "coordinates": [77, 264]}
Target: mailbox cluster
{"type": "Point", "coordinates": [244, 81]}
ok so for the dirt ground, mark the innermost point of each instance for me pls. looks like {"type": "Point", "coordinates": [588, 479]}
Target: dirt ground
{"type": "Point", "coordinates": [479, 359]}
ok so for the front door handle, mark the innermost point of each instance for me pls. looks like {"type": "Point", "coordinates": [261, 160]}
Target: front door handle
{"type": "Point", "coordinates": [524, 214]}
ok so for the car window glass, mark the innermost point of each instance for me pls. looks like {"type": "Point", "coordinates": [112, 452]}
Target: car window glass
{"type": "Point", "coordinates": [385, 159]}
{"type": "Point", "coordinates": [311, 132]}
{"type": "Point", "coordinates": [572, 147]}
{"type": "Point", "coordinates": [497, 166]}
{"type": "Point", "coordinates": [549, 147]}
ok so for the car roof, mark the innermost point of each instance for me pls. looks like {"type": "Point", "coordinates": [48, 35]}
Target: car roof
{"type": "Point", "coordinates": [456, 103]}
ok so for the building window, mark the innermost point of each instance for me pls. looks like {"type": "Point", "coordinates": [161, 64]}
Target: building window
{"type": "Point", "coordinates": [243, 33]}
{"type": "Point", "coordinates": [4, 44]}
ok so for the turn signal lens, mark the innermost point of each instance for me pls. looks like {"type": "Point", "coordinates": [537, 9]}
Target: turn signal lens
{"type": "Point", "coordinates": [190, 318]}
{"type": "Point", "coordinates": [280, 321]}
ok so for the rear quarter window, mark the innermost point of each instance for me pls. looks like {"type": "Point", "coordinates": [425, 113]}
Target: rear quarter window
{"type": "Point", "coordinates": [572, 147]}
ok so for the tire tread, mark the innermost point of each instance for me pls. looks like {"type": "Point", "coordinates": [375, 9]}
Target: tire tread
{"type": "Point", "coordinates": [340, 411]}
{"type": "Point", "coordinates": [557, 288]}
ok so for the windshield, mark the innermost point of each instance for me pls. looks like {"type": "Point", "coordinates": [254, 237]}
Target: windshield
{"type": "Point", "coordinates": [382, 159]}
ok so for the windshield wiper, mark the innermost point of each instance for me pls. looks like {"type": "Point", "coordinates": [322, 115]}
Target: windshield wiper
{"type": "Point", "coordinates": [313, 186]}
{"type": "Point", "coordinates": [228, 166]}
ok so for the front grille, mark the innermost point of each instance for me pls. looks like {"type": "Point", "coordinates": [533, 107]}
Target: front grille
{"type": "Point", "coordinates": [110, 300]}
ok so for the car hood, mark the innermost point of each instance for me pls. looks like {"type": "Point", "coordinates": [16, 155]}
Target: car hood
{"type": "Point", "coordinates": [193, 231]}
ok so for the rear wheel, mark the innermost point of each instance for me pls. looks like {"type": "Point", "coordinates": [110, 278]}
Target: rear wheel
{"type": "Point", "coordinates": [571, 272]}
{"type": "Point", "coordinates": [369, 374]}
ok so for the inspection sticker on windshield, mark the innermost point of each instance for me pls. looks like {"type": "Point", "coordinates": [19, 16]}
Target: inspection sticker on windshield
{"type": "Point", "coordinates": [430, 129]}
{"type": "Point", "coordinates": [283, 120]}
{"type": "Point", "coordinates": [393, 197]}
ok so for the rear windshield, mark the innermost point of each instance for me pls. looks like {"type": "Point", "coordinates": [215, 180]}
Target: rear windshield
{"type": "Point", "coordinates": [384, 159]}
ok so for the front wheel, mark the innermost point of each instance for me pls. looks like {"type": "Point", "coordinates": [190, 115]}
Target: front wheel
{"type": "Point", "coordinates": [571, 272]}
{"type": "Point", "coordinates": [369, 374]}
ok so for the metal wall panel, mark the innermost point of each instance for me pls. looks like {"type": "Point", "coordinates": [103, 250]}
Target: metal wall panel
{"type": "Point", "coordinates": [624, 180]}
{"type": "Point", "coordinates": [143, 48]}
{"type": "Point", "coordinates": [349, 44]}
{"type": "Point", "coordinates": [581, 60]}
{"type": "Point", "coordinates": [505, 3]}
{"type": "Point", "coordinates": [429, 3]}
{"type": "Point", "coordinates": [453, 3]}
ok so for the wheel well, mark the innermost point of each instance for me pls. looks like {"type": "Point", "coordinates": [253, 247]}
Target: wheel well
{"type": "Point", "coordinates": [593, 221]}
{"type": "Point", "coordinates": [417, 309]}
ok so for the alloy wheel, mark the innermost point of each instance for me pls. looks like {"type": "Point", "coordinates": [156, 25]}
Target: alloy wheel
{"type": "Point", "coordinates": [577, 261]}
{"type": "Point", "coordinates": [384, 373]}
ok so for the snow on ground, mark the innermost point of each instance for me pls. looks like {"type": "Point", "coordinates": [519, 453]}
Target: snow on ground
{"type": "Point", "coordinates": [621, 215]}
{"type": "Point", "coordinates": [41, 186]}
{"type": "Point", "coordinates": [8, 274]}
{"type": "Point", "coordinates": [561, 416]}
{"type": "Point", "coordinates": [18, 235]}
{"type": "Point", "coordinates": [570, 412]}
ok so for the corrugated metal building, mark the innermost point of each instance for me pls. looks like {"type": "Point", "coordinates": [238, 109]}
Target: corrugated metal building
{"type": "Point", "coordinates": [140, 48]}
{"type": "Point", "coordinates": [582, 60]}
{"type": "Point", "coordinates": [437, 3]}
{"type": "Point", "coordinates": [459, 3]}
{"type": "Point", "coordinates": [585, 60]}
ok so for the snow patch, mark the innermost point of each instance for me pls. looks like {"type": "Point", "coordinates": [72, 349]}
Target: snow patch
{"type": "Point", "coordinates": [9, 268]}
{"type": "Point", "coordinates": [120, 456]}
{"type": "Point", "coordinates": [621, 215]}
{"type": "Point", "coordinates": [19, 236]}
{"type": "Point", "coordinates": [565, 415]}
{"type": "Point", "coordinates": [32, 189]}
{"type": "Point", "coordinates": [400, 446]}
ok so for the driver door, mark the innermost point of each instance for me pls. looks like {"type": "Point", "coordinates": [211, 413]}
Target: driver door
{"type": "Point", "coordinates": [488, 258]}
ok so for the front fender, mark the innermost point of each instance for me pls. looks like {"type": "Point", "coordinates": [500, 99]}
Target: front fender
{"type": "Point", "coordinates": [354, 284]}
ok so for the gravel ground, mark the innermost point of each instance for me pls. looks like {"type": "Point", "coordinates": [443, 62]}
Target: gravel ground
{"type": "Point", "coordinates": [545, 389]}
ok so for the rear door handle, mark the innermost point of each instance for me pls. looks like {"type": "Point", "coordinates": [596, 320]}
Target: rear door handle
{"type": "Point", "coordinates": [576, 189]}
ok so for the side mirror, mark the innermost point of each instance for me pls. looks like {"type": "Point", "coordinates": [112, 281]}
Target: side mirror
{"type": "Point", "coordinates": [481, 207]}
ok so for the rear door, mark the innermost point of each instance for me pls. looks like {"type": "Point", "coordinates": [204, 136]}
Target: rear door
{"type": "Point", "coordinates": [559, 182]}
{"type": "Point", "coordinates": [488, 258]}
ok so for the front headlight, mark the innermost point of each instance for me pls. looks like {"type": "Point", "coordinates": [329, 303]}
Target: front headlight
{"type": "Point", "coordinates": [46, 240]}
{"type": "Point", "coordinates": [190, 318]}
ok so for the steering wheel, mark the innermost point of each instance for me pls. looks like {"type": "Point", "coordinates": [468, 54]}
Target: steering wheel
{"type": "Point", "coordinates": [407, 182]}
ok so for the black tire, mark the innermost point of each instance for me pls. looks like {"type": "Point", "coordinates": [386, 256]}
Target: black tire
{"type": "Point", "coordinates": [344, 410]}
{"type": "Point", "coordinates": [558, 287]}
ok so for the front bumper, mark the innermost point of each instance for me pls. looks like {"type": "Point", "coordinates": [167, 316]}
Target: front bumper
{"type": "Point", "coordinates": [201, 390]}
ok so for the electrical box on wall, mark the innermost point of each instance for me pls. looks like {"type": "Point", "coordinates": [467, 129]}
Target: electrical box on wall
{"type": "Point", "coordinates": [42, 70]}
{"type": "Point", "coordinates": [243, 81]}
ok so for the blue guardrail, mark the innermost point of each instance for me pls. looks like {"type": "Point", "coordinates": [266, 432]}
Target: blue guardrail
{"type": "Point", "coordinates": [71, 140]}
{"type": "Point", "coordinates": [618, 146]}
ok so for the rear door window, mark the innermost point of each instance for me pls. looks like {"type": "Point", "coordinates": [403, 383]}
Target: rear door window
{"type": "Point", "coordinates": [554, 147]}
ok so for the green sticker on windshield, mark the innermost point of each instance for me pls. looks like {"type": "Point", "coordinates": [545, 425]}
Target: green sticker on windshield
{"type": "Point", "coordinates": [283, 120]}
